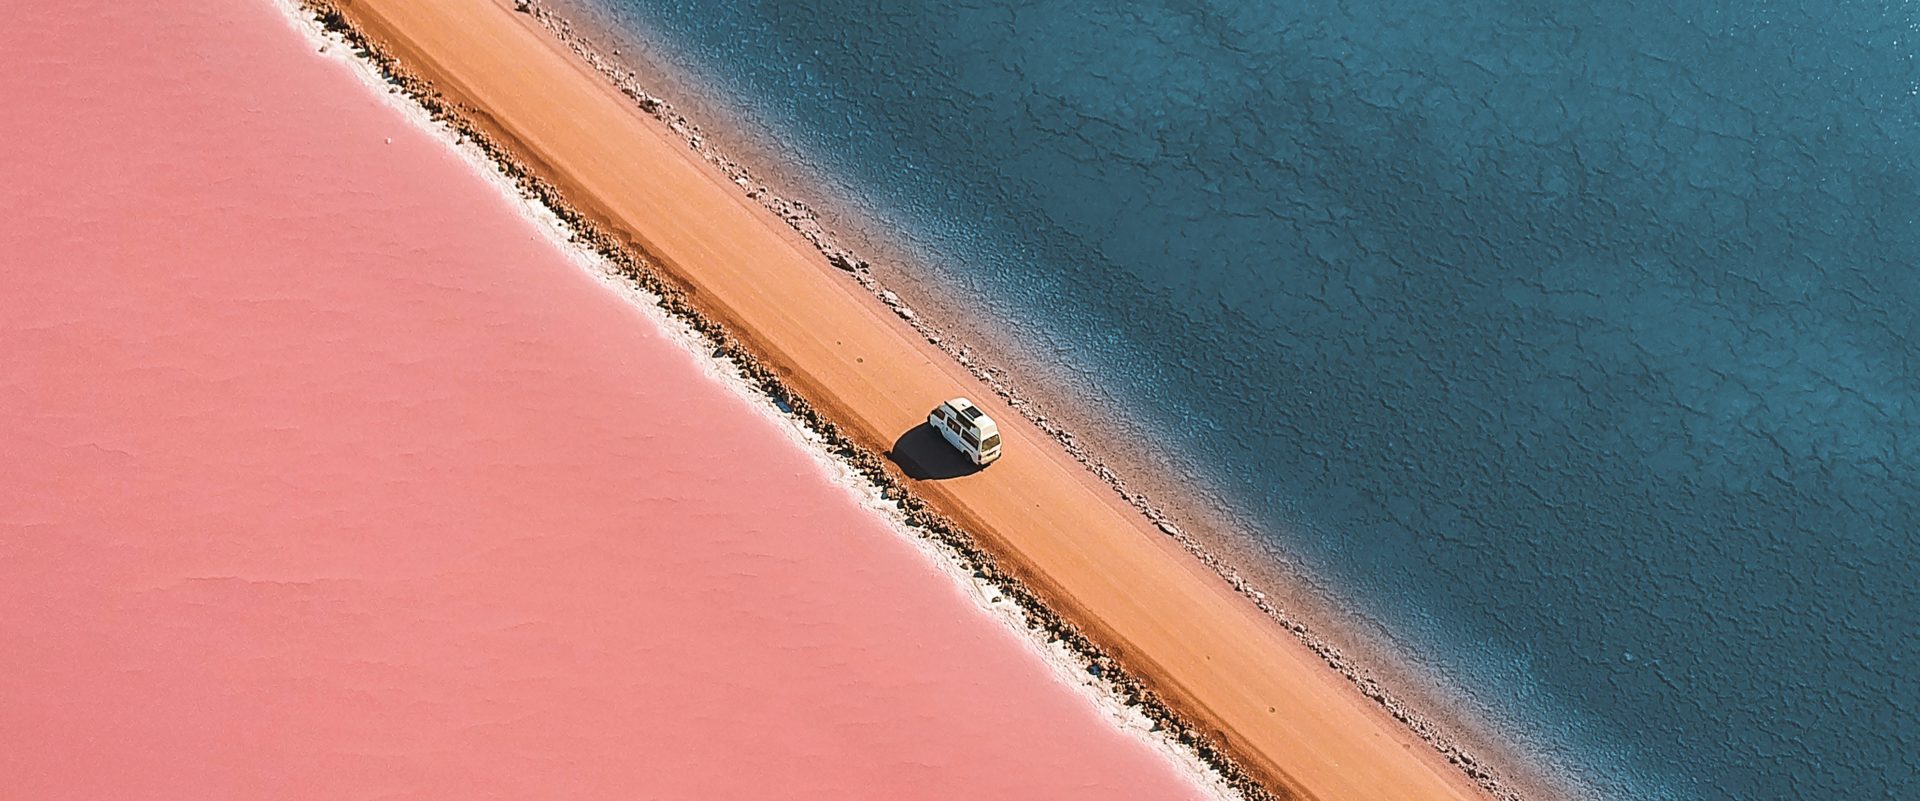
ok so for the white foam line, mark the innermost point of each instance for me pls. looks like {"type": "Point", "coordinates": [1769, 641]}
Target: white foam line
{"type": "Point", "coordinates": [1066, 666]}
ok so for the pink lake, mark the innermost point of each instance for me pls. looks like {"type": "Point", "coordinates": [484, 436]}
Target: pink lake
{"type": "Point", "coordinates": [324, 475]}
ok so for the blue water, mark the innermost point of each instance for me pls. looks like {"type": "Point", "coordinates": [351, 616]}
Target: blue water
{"type": "Point", "coordinates": [1577, 344]}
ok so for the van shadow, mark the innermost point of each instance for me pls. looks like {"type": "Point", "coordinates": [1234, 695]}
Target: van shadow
{"type": "Point", "coordinates": [926, 455]}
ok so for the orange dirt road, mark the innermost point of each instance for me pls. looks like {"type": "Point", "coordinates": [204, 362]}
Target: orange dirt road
{"type": "Point", "coordinates": [1301, 728]}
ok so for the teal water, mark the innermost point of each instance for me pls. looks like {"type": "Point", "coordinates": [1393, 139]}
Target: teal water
{"type": "Point", "coordinates": [1575, 344]}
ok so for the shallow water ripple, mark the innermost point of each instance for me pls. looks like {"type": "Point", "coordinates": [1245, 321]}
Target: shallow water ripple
{"type": "Point", "coordinates": [1573, 342]}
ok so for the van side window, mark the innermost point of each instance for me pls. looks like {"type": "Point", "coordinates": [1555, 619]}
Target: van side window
{"type": "Point", "coordinates": [970, 438]}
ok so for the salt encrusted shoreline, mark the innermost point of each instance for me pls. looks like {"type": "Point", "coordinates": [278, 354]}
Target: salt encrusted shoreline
{"type": "Point", "coordinates": [917, 514]}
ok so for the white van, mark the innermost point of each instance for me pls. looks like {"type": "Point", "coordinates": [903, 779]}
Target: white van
{"type": "Point", "coordinates": [968, 428]}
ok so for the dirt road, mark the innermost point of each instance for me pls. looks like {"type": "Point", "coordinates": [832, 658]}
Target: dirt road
{"type": "Point", "coordinates": [1301, 728]}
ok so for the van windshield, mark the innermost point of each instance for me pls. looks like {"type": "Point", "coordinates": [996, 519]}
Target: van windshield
{"type": "Point", "coordinates": [991, 443]}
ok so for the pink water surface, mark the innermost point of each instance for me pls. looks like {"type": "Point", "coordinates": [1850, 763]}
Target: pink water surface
{"type": "Point", "coordinates": [322, 475]}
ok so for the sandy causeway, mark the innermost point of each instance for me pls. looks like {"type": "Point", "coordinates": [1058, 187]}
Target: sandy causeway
{"type": "Point", "coordinates": [1301, 729]}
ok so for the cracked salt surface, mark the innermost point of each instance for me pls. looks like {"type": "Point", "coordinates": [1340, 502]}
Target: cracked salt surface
{"type": "Point", "coordinates": [1068, 667]}
{"type": "Point", "coordinates": [1538, 341]}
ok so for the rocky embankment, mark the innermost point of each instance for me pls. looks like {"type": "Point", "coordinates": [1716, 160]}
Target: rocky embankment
{"type": "Point", "coordinates": [636, 266]}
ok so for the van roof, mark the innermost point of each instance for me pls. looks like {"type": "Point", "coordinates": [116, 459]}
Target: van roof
{"type": "Point", "coordinates": [973, 417]}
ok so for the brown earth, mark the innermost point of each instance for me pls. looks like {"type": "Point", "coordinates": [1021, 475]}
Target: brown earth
{"type": "Point", "coordinates": [1300, 728]}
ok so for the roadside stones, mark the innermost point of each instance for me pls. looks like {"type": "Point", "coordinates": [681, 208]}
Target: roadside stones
{"type": "Point", "coordinates": [934, 526]}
